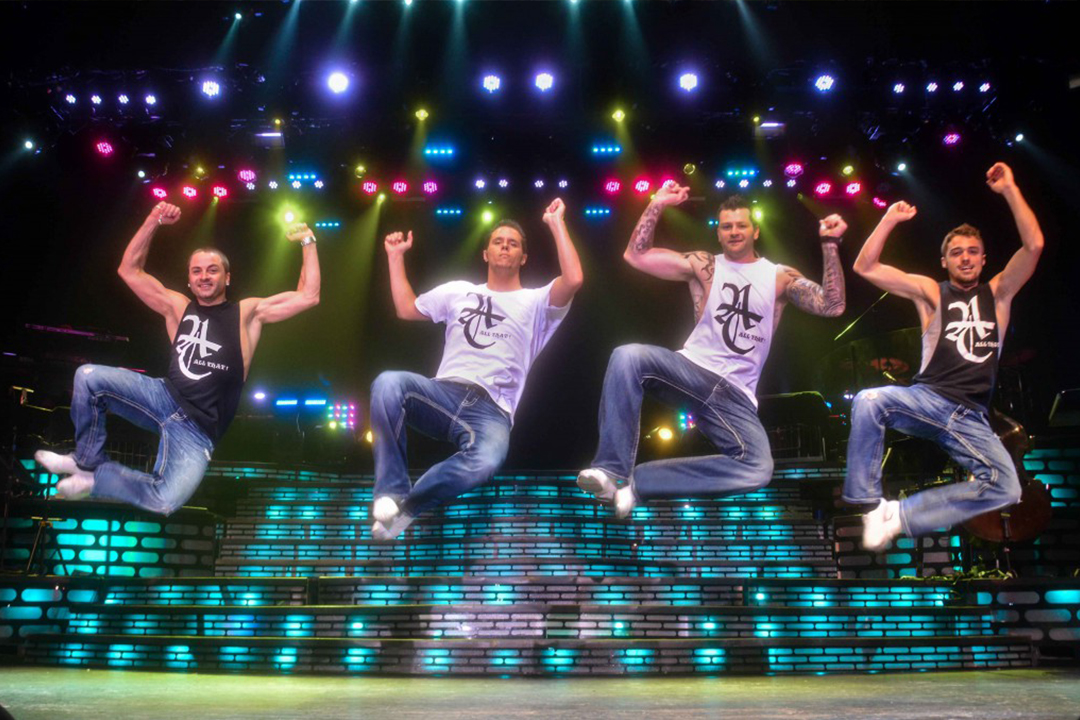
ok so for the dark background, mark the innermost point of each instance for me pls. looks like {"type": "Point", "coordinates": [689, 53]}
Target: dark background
{"type": "Point", "coordinates": [69, 212]}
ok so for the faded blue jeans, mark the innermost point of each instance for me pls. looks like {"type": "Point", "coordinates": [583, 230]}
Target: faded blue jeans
{"type": "Point", "coordinates": [963, 433]}
{"type": "Point", "coordinates": [464, 415]}
{"type": "Point", "coordinates": [183, 451]}
{"type": "Point", "coordinates": [723, 414]}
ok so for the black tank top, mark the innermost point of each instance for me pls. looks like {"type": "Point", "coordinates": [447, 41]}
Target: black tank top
{"type": "Point", "coordinates": [964, 365]}
{"type": "Point", "coordinates": [206, 367]}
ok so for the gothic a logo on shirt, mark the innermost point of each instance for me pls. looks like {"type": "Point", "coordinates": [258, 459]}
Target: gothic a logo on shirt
{"type": "Point", "coordinates": [188, 343]}
{"type": "Point", "coordinates": [963, 332]}
{"type": "Point", "coordinates": [471, 319]}
{"type": "Point", "coordinates": [736, 318]}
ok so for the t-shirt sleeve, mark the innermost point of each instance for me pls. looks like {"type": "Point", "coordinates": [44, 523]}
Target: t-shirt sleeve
{"type": "Point", "coordinates": [436, 303]}
{"type": "Point", "coordinates": [548, 317]}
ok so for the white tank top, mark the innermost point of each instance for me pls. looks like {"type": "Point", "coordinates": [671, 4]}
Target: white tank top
{"type": "Point", "coordinates": [733, 336]}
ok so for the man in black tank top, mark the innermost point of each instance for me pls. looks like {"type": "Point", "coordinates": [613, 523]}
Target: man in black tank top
{"type": "Point", "coordinates": [963, 325]}
{"type": "Point", "coordinates": [213, 342]}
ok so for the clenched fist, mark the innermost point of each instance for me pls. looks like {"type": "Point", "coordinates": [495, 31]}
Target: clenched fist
{"type": "Point", "coordinates": [397, 244]}
{"type": "Point", "coordinates": [164, 214]}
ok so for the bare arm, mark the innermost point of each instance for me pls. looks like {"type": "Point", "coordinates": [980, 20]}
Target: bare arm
{"type": "Point", "coordinates": [658, 262]}
{"type": "Point", "coordinates": [148, 288]}
{"type": "Point", "coordinates": [571, 277]}
{"type": "Point", "coordinates": [397, 244]}
{"type": "Point", "coordinates": [306, 296]}
{"type": "Point", "coordinates": [886, 277]}
{"type": "Point", "coordinates": [1022, 264]}
{"type": "Point", "coordinates": [826, 299]}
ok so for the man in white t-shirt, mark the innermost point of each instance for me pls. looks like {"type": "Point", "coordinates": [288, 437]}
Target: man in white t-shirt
{"type": "Point", "coordinates": [494, 332]}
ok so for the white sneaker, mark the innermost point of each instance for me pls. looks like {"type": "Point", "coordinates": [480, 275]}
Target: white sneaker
{"type": "Point", "coordinates": [597, 483]}
{"type": "Point", "coordinates": [55, 463]}
{"type": "Point", "coordinates": [76, 486]}
{"type": "Point", "coordinates": [624, 502]}
{"type": "Point", "coordinates": [385, 533]}
{"type": "Point", "coordinates": [385, 510]}
{"type": "Point", "coordinates": [881, 525]}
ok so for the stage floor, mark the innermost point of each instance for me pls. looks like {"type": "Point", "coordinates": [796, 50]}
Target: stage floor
{"type": "Point", "coordinates": [57, 694]}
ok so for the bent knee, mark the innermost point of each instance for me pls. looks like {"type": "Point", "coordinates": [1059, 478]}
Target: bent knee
{"type": "Point", "coordinates": [388, 383]}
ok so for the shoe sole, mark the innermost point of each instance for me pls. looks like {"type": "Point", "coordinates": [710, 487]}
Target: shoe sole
{"type": "Point", "coordinates": [597, 488]}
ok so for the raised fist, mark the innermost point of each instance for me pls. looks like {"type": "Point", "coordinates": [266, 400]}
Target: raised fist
{"type": "Point", "coordinates": [1000, 178]}
{"type": "Point", "coordinates": [671, 194]}
{"type": "Point", "coordinates": [832, 227]}
{"type": "Point", "coordinates": [165, 214]}
{"type": "Point", "coordinates": [901, 211]}
{"type": "Point", "coordinates": [397, 243]}
{"type": "Point", "coordinates": [555, 211]}
{"type": "Point", "coordinates": [298, 231]}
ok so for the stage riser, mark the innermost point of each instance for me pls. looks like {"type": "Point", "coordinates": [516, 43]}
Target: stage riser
{"type": "Point", "coordinates": [606, 659]}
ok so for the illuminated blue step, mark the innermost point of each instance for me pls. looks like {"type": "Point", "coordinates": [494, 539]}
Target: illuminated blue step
{"type": "Point", "coordinates": [229, 566]}
{"type": "Point", "coordinates": [530, 657]}
{"type": "Point", "coordinates": [492, 620]}
{"type": "Point", "coordinates": [209, 591]}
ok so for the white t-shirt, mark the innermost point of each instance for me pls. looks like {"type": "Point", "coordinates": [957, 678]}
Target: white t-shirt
{"type": "Point", "coordinates": [492, 338]}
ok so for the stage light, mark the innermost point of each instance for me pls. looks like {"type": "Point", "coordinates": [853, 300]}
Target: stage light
{"type": "Point", "coordinates": [612, 186]}
{"type": "Point", "coordinates": [381, 198]}
{"type": "Point", "coordinates": [487, 216]}
{"type": "Point", "coordinates": [95, 99]}
{"type": "Point", "coordinates": [124, 99]}
{"type": "Point", "coordinates": [688, 81]}
{"type": "Point", "coordinates": [250, 186]}
{"type": "Point", "coordinates": [200, 172]}
{"type": "Point", "coordinates": [421, 114]}
{"type": "Point", "coordinates": [70, 99]}
{"type": "Point", "coordinates": [848, 169]}
{"type": "Point", "coordinates": [878, 202]}
{"type": "Point", "coordinates": [744, 183]}
{"type": "Point", "coordinates": [150, 100]}
{"type": "Point", "coordinates": [984, 88]}
{"type": "Point", "coordinates": [141, 174]}
{"type": "Point", "coordinates": [950, 139]}
{"type": "Point", "coordinates": [438, 151]}
{"type": "Point", "coordinates": [338, 82]}
{"type": "Point", "coordinates": [642, 186]}
{"type": "Point", "coordinates": [767, 183]}
{"type": "Point", "coordinates": [758, 214]}
{"type": "Point", "coordinates": [931, 87]}
{"type": "Point", "coordinates": [272, 184]}
{"type": "Point", "coordinates": [277, 121]}
{"type": "Point", "coordinates": [689, 169]}
{"type": "Point", "coordinates": [246, 175]}
{"type": "Point", "coordinates": [369, 187]}
{"type": "Point", "coordinates": [544, 82]}
{"type": "Point", "coordinates": [104, 148]}
{"type": "Point", "coordinates": [720, 184]}
{"type": "Point", "coordinates": [901, 167]}
{"type": "Point", "coordinates": [539, 184]}
{"type": "Point", "coordinates": [159, 193]}
{"type": "Point", "coordinates": [220, 191]}
{"type": "Point", "coordinates": [289, 217]}
{"type": "Point", "coordinates": [958, 86]}
{"type": "Point", "coordinates": [822, 188]}
{"type": "Point", "coordinates": [504, 183]}
{"type": "Point", "coordinates": [791, 182]}
{"type": "Point", "coordinates": [618, 116]}
{"type": "Point", "coordinates": [564, 184]}
{"type": "Point", "coordinates": [665, 434]}
{"type": "Point", "coordinates": [492, 83]}
{"type": "Point", "coordinates": [211, 88]}
{"type": "Point", "coordinates": [296, 184]}
{"type": "Point", "coordinates": [898, 88]}
{"type": "Point", "coordinates": [259, 395]}
{"type": "Point", "coordinates": [1019, 137]}
{"type": "Point", "coordinates": [824, 83]}
{"type": "Point", "coordinates": [480, 184]}
{"type": "Point", "coordinates": [28, 144]}
{"type": "Point", "coordinates": [189, 192]}
{"type": "Point", "coordinates": [606, 149]}
{"type": "Point", "coordinates": [359, 171]}
{"type": "Point", "coordinates": [597, 211]}
{"type": "Point", "coordinates": [431, 187]}
{"type": "Point", "coordinates": [793, 169]}
{"type": "Point", "coordinates": [448, 211]}
{"type": "Point", "coordinates": [853, 188]}
{"type": "Point", "coordinates": [290, 402]}
{"type": "Point", "coordinates": [369, 438]}
{"type": "Point", "coordinates": [238, 16]}
{"type": "Point", "coordinates": [400, 187]}
{"type": "Point", "coordinates": [319, 184]}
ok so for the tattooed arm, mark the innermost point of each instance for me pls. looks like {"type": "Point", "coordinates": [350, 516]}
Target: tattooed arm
{"type": "Point", "coordinates": [703, 265]}
{"type": "Point", "coordinates": [826, 299]}
{"type": "Point", "coordinates": [659, 262]}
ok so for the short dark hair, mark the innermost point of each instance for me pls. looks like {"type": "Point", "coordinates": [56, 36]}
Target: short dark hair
{"type": "Point", "coordinates": [224, 260]}
{"type": "Point", "coordinates": [514, 225]}
{"type": "Point", "coordinates": [964, 230]}
{"type": "Point", "coordinates": [736, 202]}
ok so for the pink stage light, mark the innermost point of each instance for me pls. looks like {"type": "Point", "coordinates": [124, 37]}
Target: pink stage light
{"type": "Point", "coordinates": [878, 202]}
{"type": "Point", "coordinates": [370, 187]}
{"type": "Point", "coordinates": [104, 148]}
{"type": "Point", "coordinates": [642, 186]}
{"type": "Point", "coordinates": [400, 187]}
{"type": "Point", "coordinates": [793, 169]}
{"type": "Point", "coordinates": [951, 138]}
{"type": "Point", "coordinates": [853, 188]}
{"type": "Point", "coordinates": [612, 186]}
{"type": "Point", "coordinates": [246, 176]}
{"type": "Point", "coordinates": [823, 188]}
{"type": "Point", "coordinates": [431, 187]}
{"type": "Point", "coordinates": [159, 193]}
{"type": "Point", "coordinates": [190, 192]}
{"type": "Point", "coordinates": [220, 191]}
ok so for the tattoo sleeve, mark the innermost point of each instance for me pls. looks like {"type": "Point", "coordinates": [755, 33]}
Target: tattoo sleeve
{"type": "Point", "coordinates": [704, 266]}
{"type": "Point", "coordinates": [826, 299]}
{"type": "Point", "coordinates": [641, 240]}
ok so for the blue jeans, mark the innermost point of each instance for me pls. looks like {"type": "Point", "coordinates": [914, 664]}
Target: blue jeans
{"type": "Point", "coordinates": [464, 415]}
{"type": "Point", "coordinates": [962, 432]}
{"type": "Point", "coordinates": [723, 414]}
{"type": "Point", "coordinates": [183, 451]}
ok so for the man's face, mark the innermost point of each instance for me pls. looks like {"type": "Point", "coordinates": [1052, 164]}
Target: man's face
{"type": "Point", "coordinates": [504, 250]}
{"type": "Point", "coordinates": [207, 277]}
{"type": "Point", "coordinates": [964, 260]}
{"type": "Point", "coordinates": [736, 232]}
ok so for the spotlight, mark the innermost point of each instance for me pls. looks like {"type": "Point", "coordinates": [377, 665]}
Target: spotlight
{"type": "Point", "coordinates": [597, 211]}
{"type": "Point", "coordinates": [564, 184]}
{"type": "Point", "coordinates": [289, 217]}
{"type": "Point", "coordinates": [744, 183]}
{"type": "Point", "coordinates": [104, 148]}
{"type": "Point", "coordinates": [369, 187]}
{"type": "Point", "coordinates": [220, 191]}
{"type": "Point", "coordinates": [618, 116]}
{"type": "Point", "coordinates": [719, 184]}
{"type": "Point", "coordinates": [141, 174]}
{"type": "Point", "coordinates": [958, 86]}
{"type": "Point", "coordinates": [296, 184]}
{"type": "Point", "coordinates": [606, 149]}
{"type": "Point", "coordinates": [124, 99]}
{"type": "Point", "coordinates": [688, 81]}
{"type": "Point", "coordinates": [1019, 137]}
{"type": "Point", "coordinates": [400, 187]}
{"type": "Point", "coordinates": [984, 88]}
{"type": "Point", "coordinates": [901, 167]}
{"type": "Point", "coordinates": [431, 187]}
{"type": "Point", "coordinates": [382, 197]}
{"type": "Point", "coordinates": [438, 151]}
{"type": "Point", "coordinates": [246, 175]}
{"type": "Point", "coordinates": [793, 169]}
{"type": "Point", "coordinates": [823, 188]}
{"type": "Point", "coordinates": [931, 87]}
{"type": "Point", "coordinates": [848, 169]}
{"type": "Point", "coordinates": [95, 99]}
{"type": "Point", "coordinates": [879, 203]}
{"type": "Point", "coordinates": [29, 144]}
{"type": "Point", "coordinates": [359, 171]}
{"type": "Point", "coordinates": [665, 434]}
{"type": "Point", "coordinates": [612, 186]}
{"type": "Point", "coordinates": [159, 193]}
{"type": "Point", "coordinates": [492, 83]}
{"type": "Point", "coordinates": [200, 172]}
{"type": "Point", "coordinates": [272, 184]}
{"type": "Point", "coordinates": [758, 214]}
{"type": "Point", "coordinates": [504, 183]}
{"type": "Point", "coordinates": [319, 184]}
{"type": "Point", "coordinates": [421, 114]}
{"type": "Point", "coordinates": [539, 184]}
{"type": "Point", "coordinates": [853, 188]}
{"type": "Point", "coordinates": [480, 184]}
{"type": "Point", "coordinates": [250, 185]}
{"type": "Point", "coordinates": [791, 182]}
{"type": "Point", "coordinates": [689, 169]}
{"type": "Point", "coordinates": [70, 99]}
{"type": "Point", "coordinates": [824, 83]}
{"type": "Point", "coordinates": [150, 99]}
{"type": "Point", "coordinates": [338, 82]}
{"type": "Point", "coordinates": [950, 139]}
{"type": "Point", "coordinates": [211, 88]}
{"type": "Point", "coordinates": [767, 183]}
{"type": "Point", "coordinates": [642, 186]}
{"type": "Point", "coordinates": [487, 216]}
{"type": "Point", "coordinates": [898, 88]}
{"type": "Point", "coordinates": [544, 81]}
{"type": "Point", "coordinates": [189, 192]}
